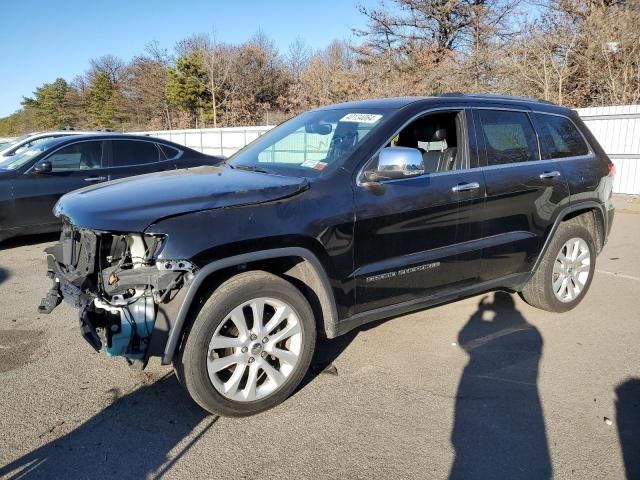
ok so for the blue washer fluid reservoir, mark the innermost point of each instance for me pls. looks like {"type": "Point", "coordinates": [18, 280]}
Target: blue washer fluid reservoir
{"type": "Point", "coordinates": [131, 337]}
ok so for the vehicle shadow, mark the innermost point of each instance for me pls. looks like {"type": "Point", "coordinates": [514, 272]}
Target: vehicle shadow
{"type": "Point", "coordinates": [499, 429]}
{"type": "Point", "coordinates": [628, 421]}
{"type": "Point", "coordinates": [131, 438]}
{"type": "Point", "coordinates": [4, 274]}
{"type": "Point", "coordinates": [27, 240]}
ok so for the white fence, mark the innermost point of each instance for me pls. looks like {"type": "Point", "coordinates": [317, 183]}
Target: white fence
{"type": "Point", "coordinates": [212, 141]}
{"type": "Point", "coordinates": [618, 131]}
{"type": "Point", "coordinates": [616, 128]}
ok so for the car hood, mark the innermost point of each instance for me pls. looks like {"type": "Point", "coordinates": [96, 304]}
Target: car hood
{"type": "Point", "coordinates": [132, 204]}
{"type": "Point", "coordinates": [8, 173]}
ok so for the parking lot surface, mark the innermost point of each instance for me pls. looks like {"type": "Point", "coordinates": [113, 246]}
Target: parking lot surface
{"type": "Point", "coordinates": [483, 388]}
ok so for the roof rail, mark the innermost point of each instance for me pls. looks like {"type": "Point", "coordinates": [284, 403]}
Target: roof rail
{"type": "Point", "coordinates": [495, 96]}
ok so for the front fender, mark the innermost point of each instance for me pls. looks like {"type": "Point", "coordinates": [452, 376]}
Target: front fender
{"type": "Point", "coordinates": [171, 322]}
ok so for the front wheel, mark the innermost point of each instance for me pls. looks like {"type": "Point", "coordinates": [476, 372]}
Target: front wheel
{"type": "Point", "coordinates": [565, 272]}
{"type": "Point", "coordinates": [249, 346]}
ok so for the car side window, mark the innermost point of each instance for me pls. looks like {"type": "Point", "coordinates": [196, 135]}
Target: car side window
{"type": "Point", "coordinates": [169, 152]}
{"type": "Point", "coordinates": [438, 138]}
{"type": "Point", "coordinates": [559, 137]}
{"type": "Point", "coordinates": [78, 156]}
{"type": "Point", "coordinates": [134, 152]}
{"type": "Point", "coordinates": [508, 137]}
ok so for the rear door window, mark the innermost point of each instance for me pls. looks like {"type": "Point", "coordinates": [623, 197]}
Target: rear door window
{"type": "Point", "coordinates": [559, 137]}
{"type": "Point", "coordinates": [78, 156]}
{"type": "Point", "coordinates": [133, 152]}
{"type": "Point", "coordinates": [508, 137]}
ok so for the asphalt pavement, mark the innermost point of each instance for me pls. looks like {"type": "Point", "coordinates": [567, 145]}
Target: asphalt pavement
{"type": "Point", "coordinates": [487, 387]}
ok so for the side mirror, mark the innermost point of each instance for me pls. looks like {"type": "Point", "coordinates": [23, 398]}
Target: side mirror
{"type": "Point", "coordinates": [399, 162]}
{"type": "Point", "coordinates": [43, 167]}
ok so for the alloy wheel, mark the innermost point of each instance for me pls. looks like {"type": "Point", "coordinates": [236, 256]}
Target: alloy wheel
{"type": "Point", "coordinates": [254, 349]}
{"type": "Point", "coordinates": [571, 270]}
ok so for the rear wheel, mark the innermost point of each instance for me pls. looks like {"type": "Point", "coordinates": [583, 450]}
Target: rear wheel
{"type": "Point", "coordinates": [565, 272]}
{"type": "Point", "coordinates": [249, 347]}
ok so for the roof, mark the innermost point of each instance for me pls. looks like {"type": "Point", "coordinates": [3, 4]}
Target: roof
{"type": "Point", "coordinates": [475, 98]}
{"type": "Point", "coordinates": [63, 132]}
{"type": "Point", "coordinates": [108, 136]}
{"type": "Point", "coordinates": [115, 135]}
{"type": "Point", "coordinates": [391, 102]}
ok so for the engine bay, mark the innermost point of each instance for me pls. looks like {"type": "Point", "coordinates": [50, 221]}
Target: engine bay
{"type": "Point", "coordinates": [117, 283]}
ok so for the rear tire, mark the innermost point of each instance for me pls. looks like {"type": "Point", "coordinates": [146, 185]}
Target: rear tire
{"type": "Point", "coordinates": [564, 274]}
{"type": "Point", "coordinates": [262, 328]}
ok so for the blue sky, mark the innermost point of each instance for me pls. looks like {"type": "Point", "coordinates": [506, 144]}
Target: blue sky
{"type": "Point", "coordinates": [46, 39]}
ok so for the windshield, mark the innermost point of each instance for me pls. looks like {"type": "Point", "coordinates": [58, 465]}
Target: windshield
{"type": "Point", "coordinates": [308, 143]}
{"type": "Point", "coordinates": [25, 156]}
{"type": "Point", "coordinates": [15, 141]}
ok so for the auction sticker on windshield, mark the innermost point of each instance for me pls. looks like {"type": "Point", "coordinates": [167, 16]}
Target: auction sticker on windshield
{"type": "Point", "coordinates": [309, 163]}
{"type": "Point", "coordinates": [361, 117]}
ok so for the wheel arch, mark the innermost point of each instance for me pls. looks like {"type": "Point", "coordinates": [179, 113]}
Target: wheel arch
{"type": "Point", "coordinates": [298, 265]}
{"type": "Point", "coordinates": [594, 222]}
{"type": "Point", "coordinates": [577, 211]}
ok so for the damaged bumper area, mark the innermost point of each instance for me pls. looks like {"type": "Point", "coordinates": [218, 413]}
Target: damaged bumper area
{"type": "Point", "coordinates": [117, 284]}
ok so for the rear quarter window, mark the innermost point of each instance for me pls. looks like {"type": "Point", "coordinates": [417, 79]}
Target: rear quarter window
{"type": "Point", "coordinates": [169, 153]}
{"type": "Point", "coordinates": [559, 137]}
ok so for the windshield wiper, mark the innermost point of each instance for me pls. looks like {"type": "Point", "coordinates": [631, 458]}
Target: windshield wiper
{"type": "Point", "coordinates": [251, 168]}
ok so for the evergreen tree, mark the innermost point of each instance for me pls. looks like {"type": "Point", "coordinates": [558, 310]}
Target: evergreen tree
{"type": "Point", "coordinates": [187, 85]}
{"type": "Point", "coordinates": [50, 106]}
{"type": "Point", "coordinates": [102, 109]}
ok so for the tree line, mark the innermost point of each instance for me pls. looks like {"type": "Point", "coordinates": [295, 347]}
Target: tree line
{"type": "Point", "coordinates": [572, 52]}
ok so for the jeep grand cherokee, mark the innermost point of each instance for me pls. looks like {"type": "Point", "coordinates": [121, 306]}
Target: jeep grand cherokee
{"type": "Point", "coordinates": [341, 216]}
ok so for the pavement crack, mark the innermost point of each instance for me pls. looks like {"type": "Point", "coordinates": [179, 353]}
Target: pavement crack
{"type": "Point", "coordinates": [52, 428]}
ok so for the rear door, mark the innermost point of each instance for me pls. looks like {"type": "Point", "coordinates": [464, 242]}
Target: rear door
{"type": "Point", "coordinates": [560, 140]}
{"type": "Point", "coordinates": [414, 237]}
{"type": "Point", "coordinates": [74, 166]}
{"type": "Point", "coordinates": [524, 191]}
{"type": "Point", "coordinates": [131, 157]}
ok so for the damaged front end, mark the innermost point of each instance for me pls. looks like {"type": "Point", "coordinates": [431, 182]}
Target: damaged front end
{"type": "Point", "coordinates": [116, 282]}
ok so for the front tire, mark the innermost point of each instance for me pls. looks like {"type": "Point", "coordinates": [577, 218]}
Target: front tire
{"type": "Point", "coordinates": [249, 347]}
{"type": "Point", "coordinates": [564, 274]}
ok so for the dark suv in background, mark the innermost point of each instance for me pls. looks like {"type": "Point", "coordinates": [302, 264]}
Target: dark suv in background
{"type": "Point", "coordinates": [341, 216]}
{"type": "Point", "coordinates": [32, 180]}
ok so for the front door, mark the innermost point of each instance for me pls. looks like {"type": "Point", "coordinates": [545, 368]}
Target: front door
{"type": "Point", "coordinates": [73, 166]}
{"type": "Point", "coordinates": [415, 237]}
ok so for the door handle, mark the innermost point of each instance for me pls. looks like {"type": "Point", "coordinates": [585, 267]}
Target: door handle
{"type": "Point", "coordinates": [463, 187]}
{"type": "Point", "coordinates": [545, 175]}
{"type": "Point", "coordinates": [95, 179]}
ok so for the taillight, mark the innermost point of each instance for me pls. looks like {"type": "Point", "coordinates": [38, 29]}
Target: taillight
{"type": "Point", "coordinates": [612, 169]}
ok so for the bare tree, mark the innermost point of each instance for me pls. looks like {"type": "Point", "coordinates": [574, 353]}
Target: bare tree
{"type": "Point", "coordinates": [297, 58]}
{"type": "Point", "coordinates": [113, 66]}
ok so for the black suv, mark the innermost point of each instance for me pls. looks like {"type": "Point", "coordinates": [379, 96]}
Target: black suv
{"type": "Point", "coordinates": [341, 216]}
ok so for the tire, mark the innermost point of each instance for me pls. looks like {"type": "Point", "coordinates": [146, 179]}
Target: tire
{"type": "Point", "coordinates": [539, 290]}
{"type": "Point", "coordinates": [263, 372]}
